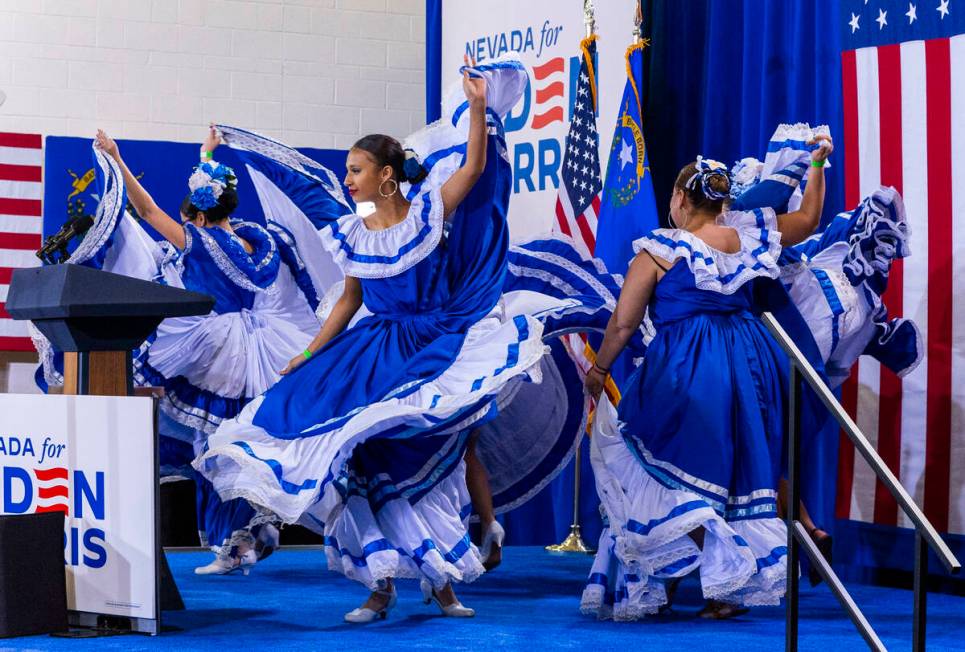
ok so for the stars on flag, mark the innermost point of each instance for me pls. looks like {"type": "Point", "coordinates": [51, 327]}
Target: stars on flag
{"type": "Point", "coordinates": [882, 18]}
{"type": "Point", "coordinates": [943, 9]}
{"type": "Point", "coordinates": [581, 182]}
{"type": "Point", "coordinates": [626, 154]}
{"type": "Point", "coordinates": [912, 13]}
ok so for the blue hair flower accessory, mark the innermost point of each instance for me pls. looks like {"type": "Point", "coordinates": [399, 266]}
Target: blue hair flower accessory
{"type": "Point", "coordinates": [707, 169]}
{"type": "Point", "coordinates": [413, 169]}
{"type": "Point", "coordinates": [208, 181]}
{"type": "Point", "coordinates": [204, 198]}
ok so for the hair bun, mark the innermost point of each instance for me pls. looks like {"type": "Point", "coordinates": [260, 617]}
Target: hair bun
{"type": "Point", "coordinates": [412, 168]}
{"type": "Point", "coordinates": [713, 177]}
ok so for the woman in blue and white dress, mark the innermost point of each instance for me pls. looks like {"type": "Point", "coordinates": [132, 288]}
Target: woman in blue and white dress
{"type": "Point", "coordinates": [210, 366]}
{"type": "Point", "coordinates": [363, 439]}
{"type": "Point", "coordinates": [688, 468]}
{"type": "Point", "coordinates": [834, 281]}
{"type": "Point", "coordinates": [836, 278]}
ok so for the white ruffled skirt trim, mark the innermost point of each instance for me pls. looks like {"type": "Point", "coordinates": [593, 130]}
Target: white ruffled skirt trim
{"type": "Point", "coordinates": [646, 543]}
{"type": "Point", "coordinates": [427, 540]}
{"type": "Point", "coordinates": [297, 479]}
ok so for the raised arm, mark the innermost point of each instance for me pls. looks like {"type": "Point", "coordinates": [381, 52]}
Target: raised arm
{"type": "Point", "coordinates": [459, 184]}
{"type": "Point", "coordinates": [169, 228]}
{"type": "Point", "coordinates": [631, 307]}
{"type": "Point", "coordinates": [798, 225]}
{"type": "Point", "coordinates": [342, 312]}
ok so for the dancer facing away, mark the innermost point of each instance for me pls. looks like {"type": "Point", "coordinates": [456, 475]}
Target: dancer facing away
{"type": "Point", "coordinates": [688, 467]}
{"type": "Point", "coordinates": [211, 365]}
{"type": "Point", "coordinates": [364, 437]}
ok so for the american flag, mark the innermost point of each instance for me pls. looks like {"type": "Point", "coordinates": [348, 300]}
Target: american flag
{"type": "Point", "coordinates": [21, 159]}
{"type": "Point", "coordinates": [578, 202]}
{"type": "Point", "coordinates": [903, 70]}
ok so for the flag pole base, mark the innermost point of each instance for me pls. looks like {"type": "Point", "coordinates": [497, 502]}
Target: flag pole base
{"type": "Point", "coordinates": [572, 543]}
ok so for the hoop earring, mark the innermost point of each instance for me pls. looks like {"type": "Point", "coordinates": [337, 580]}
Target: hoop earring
{"type": "Point", "coordinates": [395, 188]}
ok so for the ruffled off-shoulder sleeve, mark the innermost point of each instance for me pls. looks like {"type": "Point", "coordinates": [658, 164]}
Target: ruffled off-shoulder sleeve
{"type": "Point", "coordinates": [363, 253]}
{"type": "Point", "coordinates": [715, 270]}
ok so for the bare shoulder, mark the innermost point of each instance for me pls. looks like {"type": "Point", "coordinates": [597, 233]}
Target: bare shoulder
{"type": "Point", "coordinates": [722, 238]}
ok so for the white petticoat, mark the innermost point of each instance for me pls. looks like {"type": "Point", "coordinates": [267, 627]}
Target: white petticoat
{"type": "Point", "coordinates": [646, 541]}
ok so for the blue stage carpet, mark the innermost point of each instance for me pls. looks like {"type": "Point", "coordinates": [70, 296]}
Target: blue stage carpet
{"type": "Point", "coordinates": [531, 602]}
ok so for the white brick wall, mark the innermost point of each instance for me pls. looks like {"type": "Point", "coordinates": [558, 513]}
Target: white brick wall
{"type": "Point", "coordinates": [315, 73]}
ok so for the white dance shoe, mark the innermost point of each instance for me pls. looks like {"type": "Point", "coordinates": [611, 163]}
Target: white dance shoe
{"type": "Point", "coordinates": [225, 565]}
{"type": "Point", "coordinates": [491, 549]}
{"type": "Point", "coordinates": [364, 615]}
{"type": "Point", "coordinates": [454, 610]}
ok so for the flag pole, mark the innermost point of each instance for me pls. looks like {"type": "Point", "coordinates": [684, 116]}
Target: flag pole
{"type": "Point", "coordinates": [574, 540]}
{"type": "Point", "coordinates": [638, 23]}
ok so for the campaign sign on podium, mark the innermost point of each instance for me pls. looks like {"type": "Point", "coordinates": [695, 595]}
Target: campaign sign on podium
{"type": "Point", "coordinates": [93, 458]}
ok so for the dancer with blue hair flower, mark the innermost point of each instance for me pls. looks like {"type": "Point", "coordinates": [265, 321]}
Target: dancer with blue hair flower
{"type": "Point", "coordinates": [210, 366]}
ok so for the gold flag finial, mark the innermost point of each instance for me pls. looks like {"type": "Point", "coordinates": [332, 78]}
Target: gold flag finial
{"type": "Point", "coordinates": [588, 17]}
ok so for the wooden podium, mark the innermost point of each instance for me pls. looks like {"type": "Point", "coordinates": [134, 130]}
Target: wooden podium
{"type": "Point", "coordinates": [96, 318]}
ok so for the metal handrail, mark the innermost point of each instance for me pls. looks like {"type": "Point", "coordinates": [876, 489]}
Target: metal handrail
{"type": "Point", "coordinates": [925, 532]}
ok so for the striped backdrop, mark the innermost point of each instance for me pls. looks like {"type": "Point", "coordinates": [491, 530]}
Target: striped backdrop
{"type": "Point", "coordinates": [904, 122]}
{"type": "Point", "coordinates": [21, 190]}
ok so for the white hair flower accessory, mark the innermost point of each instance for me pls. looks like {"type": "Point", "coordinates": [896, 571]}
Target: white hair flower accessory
{"type": "Point", "coordinates": [745, 174]}
{"type": "Point", "coordinates": [208, 182]}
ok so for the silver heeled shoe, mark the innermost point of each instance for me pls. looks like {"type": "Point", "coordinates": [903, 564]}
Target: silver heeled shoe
{"type": "Point", "coordinates": [454, 610]}
{"type": "Point", "coordinates": [492, 546]}
{"type": "Point", "coordinates": [363, 615]}
{"type": "Point", "coordinates": [225, 565]}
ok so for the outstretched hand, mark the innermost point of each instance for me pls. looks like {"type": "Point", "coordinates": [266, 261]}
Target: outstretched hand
{"type": "Point", "coordinates": [213, 139]}
{"type": "Point", "coordinates": [474, 87]}
{"type": "Point", "coordinates": [823, 152]}
{"type": "Point", "coordinates": [106, 144]}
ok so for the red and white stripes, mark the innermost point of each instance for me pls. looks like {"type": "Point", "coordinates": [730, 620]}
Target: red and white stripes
{"type": "Point", "coordinates": [21, 192]}
{"type": "Point", "coordinates": [53, 494]}
{"type": "Point", "coordinates": [582, 227]}
{"type": "Point", "coordinates": [904, 120]}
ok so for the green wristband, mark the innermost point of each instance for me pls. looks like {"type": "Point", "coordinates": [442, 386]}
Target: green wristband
{"type": "Point", "coordinates": [817, 164]}
{"type": "Point", "coordinates": [307, 354]}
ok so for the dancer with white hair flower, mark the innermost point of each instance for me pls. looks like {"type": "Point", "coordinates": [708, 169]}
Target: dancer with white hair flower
{"type": "Point", "coordinates": [210, 366]}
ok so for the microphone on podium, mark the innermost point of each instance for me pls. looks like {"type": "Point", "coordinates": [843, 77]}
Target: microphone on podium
{"type": "Point", "coordinates": [54, 250]}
